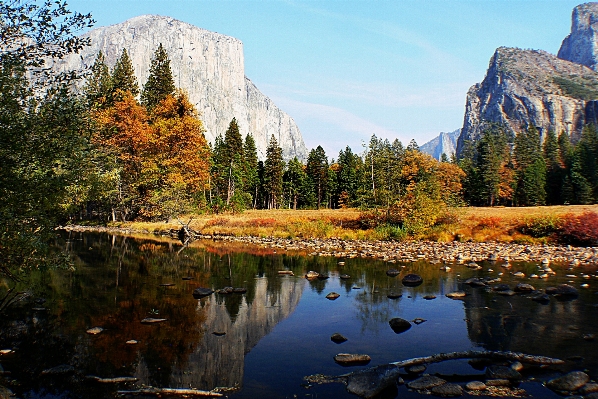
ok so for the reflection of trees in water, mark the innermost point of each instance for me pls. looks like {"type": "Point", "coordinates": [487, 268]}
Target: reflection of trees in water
{"type": "Point", "coordinates": [117, 284]}
{"type": "Point", "coordinates": [519, 324]}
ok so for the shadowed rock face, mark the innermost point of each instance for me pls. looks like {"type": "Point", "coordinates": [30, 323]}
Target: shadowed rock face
{"type": "Point", "coordinates": [580, 46]}
{"type": "Point", "coordinates": [445, 143]}
{"type": "Point", "coordinates": [530, 87]}
{"type": "Point", "coordinates": [209, 66]}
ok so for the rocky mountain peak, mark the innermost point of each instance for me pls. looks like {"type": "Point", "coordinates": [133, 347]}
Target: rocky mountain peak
{"type": "Point", "coordinates": [581, 45]}
{"type": "Point", "coordinates": [209, 66]}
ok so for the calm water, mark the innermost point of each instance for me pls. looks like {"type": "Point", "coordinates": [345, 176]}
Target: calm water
{"type": "Point", "coordinates": [266, 340]}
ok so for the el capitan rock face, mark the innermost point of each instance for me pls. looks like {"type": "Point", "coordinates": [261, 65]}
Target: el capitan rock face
{"type": "Point", "coordinates": [581, 45]}
{"type": "Point", "coordinates": [209, 66]}
{"type": "Point", "coordinates": [445, 143]}
{"type": "Point", "coordinates": [524, 87]}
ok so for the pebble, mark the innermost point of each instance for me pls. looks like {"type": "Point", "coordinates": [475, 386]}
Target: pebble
{"type": "Point", "coordinates": [350, 358]}
{"type": "Point", "coordinates": [425, 382]}
{"type": "Point", "coordinates": [131, 342]}
{"type": "Point", "coordinates": [447, 390]}
{"type": "Point", "coordinates": [95, 330]}
{"type": "Point", "coordinates": [456, 294]}
{"type": "Point", "coordinates": [399, 325]}
{"type": "Point", "coordinates": [338, 338]}
{"type": "Point", "coordinates": [332, 296]}
{"type": "Point", "coordinates": [569, 382]}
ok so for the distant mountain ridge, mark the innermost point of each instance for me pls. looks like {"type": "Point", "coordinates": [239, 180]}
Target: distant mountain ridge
{"type": "Point", "coordinates": [533, 87]}
{"type": "Point", "coordinates": [445, 143]}
{"type": "Point", "coordinates": [209, 66]}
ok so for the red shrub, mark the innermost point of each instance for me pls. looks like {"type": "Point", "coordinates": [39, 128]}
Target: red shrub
{"type": "Point", "coordinates": [491, 222]}
{"type": "Point", "coordinates": [579, 230]}
{"type": "Point", "coordinates": [263, 222]}
{"type": "Point", "coordinates": [216, 222]}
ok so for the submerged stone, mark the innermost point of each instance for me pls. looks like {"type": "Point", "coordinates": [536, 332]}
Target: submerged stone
{"type": "Point", "coordinates": [202, 292]}
{"type": "Point", "coordinates": [412, 280]}
{"type": "Point", "coordinates": [399, 325]}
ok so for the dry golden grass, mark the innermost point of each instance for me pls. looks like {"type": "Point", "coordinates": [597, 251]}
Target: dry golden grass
{"type": "Point", "coordinates": [473, 223]}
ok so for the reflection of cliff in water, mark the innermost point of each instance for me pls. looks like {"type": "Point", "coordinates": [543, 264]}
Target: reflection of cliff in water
{"type": "Point", "coordinates": [519, 324]}
{"type": "Point", "coordinates": [218, 360]}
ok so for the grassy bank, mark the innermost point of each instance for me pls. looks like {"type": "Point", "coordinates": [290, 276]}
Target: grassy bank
{"type": "Point", "coordinates": [520, 225]}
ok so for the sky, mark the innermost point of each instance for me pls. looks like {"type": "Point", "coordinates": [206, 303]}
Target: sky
{"type": "Point", "coordinates": [347, 69]}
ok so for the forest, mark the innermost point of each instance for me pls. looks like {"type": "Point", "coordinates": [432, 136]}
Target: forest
{"type": "Point", "coordinates": [97, 146]}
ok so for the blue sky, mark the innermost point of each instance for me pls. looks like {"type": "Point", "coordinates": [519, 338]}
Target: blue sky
{"type": "Point", "coordinates": [347, 69]}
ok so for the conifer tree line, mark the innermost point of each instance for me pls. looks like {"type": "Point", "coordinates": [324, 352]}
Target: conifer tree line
{"type": "Point", "coordinates": [502, 168]}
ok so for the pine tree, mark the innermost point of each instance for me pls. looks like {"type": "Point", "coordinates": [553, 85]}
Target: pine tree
{"type": "Point", "coordinates": [123, 75]}
{"type": "Point", "coordinates": [348, 177]}
{"type": "Point", "coordinates": [98, 86]}
{"type": "Point", "coordinates": [273, 171]}
{"type": "Point", "coordinates": [413, 146]}
{"type": "Point", "coordinates": [530, 169]}
{"type": "Point", "coordinates": [554, 169]}
{"type": "Point", "coordinates": [317, 172]}
{"type": "Point", "coordinates": [251, 166]}
{"type": "Point", "coordinates": [294, 179]}
{"type": "Point", "coordinates": [160, 82]}
{"type": "Point", "coordinates": [233, 160]}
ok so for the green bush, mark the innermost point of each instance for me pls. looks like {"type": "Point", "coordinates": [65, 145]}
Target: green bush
{"type": "Point", "coordinates": [390, 232]}
{"type": "Point", "coordinates": [541, 226]}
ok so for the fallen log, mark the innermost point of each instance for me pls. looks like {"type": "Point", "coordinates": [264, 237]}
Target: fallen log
{"type": "Point", "coordinates": [113, 380]}
{"type": "Point", "coordinates": [172, 391]}
{"type": "Point", "coordinates": [370, 382]}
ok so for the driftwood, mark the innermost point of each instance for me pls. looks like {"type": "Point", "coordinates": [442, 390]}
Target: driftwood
{"type": "Point", "coordinates": [172, 392]}
{"type": "Point", "coordinates": [114, 380]}
{"type": "Point", "coordinates": [370, 382]}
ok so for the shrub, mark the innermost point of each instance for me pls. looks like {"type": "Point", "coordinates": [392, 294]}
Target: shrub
{"type": "Point", "coordinates": [263, 222]}
{"type": "Point", "coordinates": [541, 226]}
{"type": "Point", "coordinates": [390, 232]}
{"type": "Point", "coordinates": [490, 222]}
{"type": "Point", "coordinates": [579, 230]}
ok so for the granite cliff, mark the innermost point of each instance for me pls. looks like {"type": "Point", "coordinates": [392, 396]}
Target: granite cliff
{"type": "Point", "coordinates": [533, 87]}
{"type": "Point", "coordinates": [445, 143]}
{"type": "Point", "coordinates": [209, 66]}
{"type": "Point", "coordinates": [581, 45]}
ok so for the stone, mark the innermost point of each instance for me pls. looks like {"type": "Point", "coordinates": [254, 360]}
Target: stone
{"type": "Point", "coordinates": [394, 295]}
{"type": "Point", "coordinates": [541, 298]}
{"type": "Point", "coordinates": [502, 372]}
{"type": "Point", "coordinates": [517, 366]}
{"type": "Point", "coordinates": [239, 290]}
{"type": "Point", "coordinates": [450, 390]}
{"type": "Point", "coordinates": [6, 393]}
{"type": "Point", "coordinates": [351, 359]}
{"type": "Point", "coordinates": [202, 292]}
{"type": "Point", "coordinates": [417, 369]}
{"type": "Point", "coordinates": [95, 330]}
{"type": "Point", "coordinates": [332, 296]}
{"type": "Point", "coordinates": [429, 297]}
{"type": "Point", "coordinates": [370, 382]}
{"type": "Point", "coordinates": [498, 382]}
{"type": "Point", "coordinates": [225, 291]}
{"type": "Point", "coordinates": [569, 382]}
{"type": "Point", "coordinates": [392, 272]}
{"type": "Point", "coordinates": [338, 338]}
{"type": "Point", "coordinates": [399, 325]}
{"type": "Point", "coordinates": [131, 342]}
{"type": "Point", "coordinates": [566, 290]}
{"type": "Point", "coordinates": [456, 294]}
{"type": "Point", "coordinates": [345, 276]}
{"type": "Point", "coordinates": [475, 386]}
{"type": "Point", "coordinates": [310, 275]}
{"type": "Point", "coordinates": [425, 382]}
{"type": "Point", "coordinates": [589, 388]}
{"type": "Point", "coordinates": [412, 280]}
{"type": "Point", "coordinates": [523, 287]}
{"type": "Point", "coordinates": [501, 287]}
{"type": "Point", "coordinates": [207, 65]}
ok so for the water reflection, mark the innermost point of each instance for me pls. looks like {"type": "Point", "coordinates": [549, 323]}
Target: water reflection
{"type": "Point", "coordinates": [268, 338]}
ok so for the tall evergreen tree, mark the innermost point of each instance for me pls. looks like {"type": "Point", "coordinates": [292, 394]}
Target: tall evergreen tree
{"type": "Point", "coordinates": [160, 82]}
{"type": "Point", "coordinates": [530, 169]}
{"type": "Point", "coordinates": [233, 160]}
{"type": "Point", "coordinates": [586, 158]}
{"type": "Point", "coordinates": [98, 86]}
{"type": "Point", "coordinates": [251, 169]}
{"type": "Point", "coordinates": [123, 75]}
{"type": "Point", "coordinates": [317, 172]}
{"type": "Point", "coordinates": [348, 177]}
{"type": "Point", "coordinates": [554, 169]}
{"type": "Point", "coordinates": [273, 171]}
{"type": "Point", "coordinates": [295, 179]}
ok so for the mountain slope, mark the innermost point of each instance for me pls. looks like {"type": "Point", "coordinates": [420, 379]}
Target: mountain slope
{"type": "Point", "coordinates": [445, 143]}
{"type": "Point", "coordinates": [209, 66]}
{"type": "Point", "coordinates": [524, 87]}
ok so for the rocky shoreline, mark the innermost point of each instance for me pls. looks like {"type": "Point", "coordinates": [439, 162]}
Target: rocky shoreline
{"type": "Point", "coordinates": [392, 251]}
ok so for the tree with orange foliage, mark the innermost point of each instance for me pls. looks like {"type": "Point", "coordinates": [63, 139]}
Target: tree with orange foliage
{"type": "Point", "coordinates": [176, 164]}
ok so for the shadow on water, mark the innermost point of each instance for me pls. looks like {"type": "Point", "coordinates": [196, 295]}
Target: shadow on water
{"type": "Point", "coordinates": [265, 339]}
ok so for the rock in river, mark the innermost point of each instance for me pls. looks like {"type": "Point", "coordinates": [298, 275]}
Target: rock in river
{"type": "Point", "coordinates": [399, 325]}
{"type": "Point", "coordinates": [425, 382]}
{"type": "Point", "coordinates": [202, 292]}
{"type": "Point", "coordinates": [95, 330]}
{"type": "Point", "coordinates": [456, 294]}
{"type": "Point", "coordinates": [447, 390]}
{"type": "Point", "coordinates": [523, 287]}
{"type": "Point", "coordinates": [369, 383]}
{"type": "Point", "coordinates": [350, 359]}
{"type": "Point", "coordinates": [569, 382]}
{"type": "Point", "coordinates": [412, 280]}
{"type": "Point", "coordinates": [338, 338]}
{"type": "Point", "coordinates": [392, 272]}
{"type": "Point", "coordinates": [310, 275]}
{"type": "Point", "coordinates": [332, 296]}
{"type": "Point", "coordinates": [502, 372]}
{"type": "Point", "coordinates": [151, 320]}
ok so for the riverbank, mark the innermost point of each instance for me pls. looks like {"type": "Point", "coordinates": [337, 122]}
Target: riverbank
{"type": "Point", "coordinates": [391, 251]}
